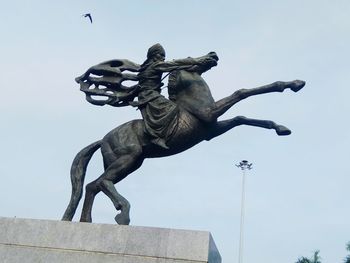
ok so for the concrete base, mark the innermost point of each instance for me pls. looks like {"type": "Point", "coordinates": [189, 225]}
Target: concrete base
{"type": "Point", "coordinates": [47, 241]}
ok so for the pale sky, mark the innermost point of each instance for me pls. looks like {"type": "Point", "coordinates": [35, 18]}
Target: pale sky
{"type": "Point", "coordinates": [297, 195]}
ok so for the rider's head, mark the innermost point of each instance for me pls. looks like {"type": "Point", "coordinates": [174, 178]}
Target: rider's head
{"type": "Point", "coordinates": [156, 52]}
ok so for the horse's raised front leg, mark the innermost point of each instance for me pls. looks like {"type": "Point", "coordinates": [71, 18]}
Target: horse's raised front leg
{"type": "Point", "coordinates": [223, 126]}
{"type": "Point", "coordinates": [224, 104]}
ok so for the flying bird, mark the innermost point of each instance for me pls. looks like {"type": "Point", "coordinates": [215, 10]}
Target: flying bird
{"type": "Point", "coordinates": [89, 16]}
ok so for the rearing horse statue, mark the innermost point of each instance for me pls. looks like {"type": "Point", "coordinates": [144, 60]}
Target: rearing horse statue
{"type": "Point", "coordinates": [125, 147]}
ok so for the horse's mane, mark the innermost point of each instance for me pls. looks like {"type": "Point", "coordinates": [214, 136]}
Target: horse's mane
{"type": "Point", "coordinates": [172, 92]}
{"type": "Point", "coordinates": [173, 79]}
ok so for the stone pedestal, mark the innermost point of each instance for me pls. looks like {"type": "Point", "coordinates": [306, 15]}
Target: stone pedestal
{"type": "Point", "coordinates": [47, 241]}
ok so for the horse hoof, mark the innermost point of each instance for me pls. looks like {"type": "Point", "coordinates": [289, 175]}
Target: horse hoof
{"type": "Point", "coordinates": [86, 220]}
{"type": "Point", "coordinates": [297, 85]}
{"type": "Point", "coordinates": [282, 130]}
{"type": "Point", "coordinates": [122, 219]}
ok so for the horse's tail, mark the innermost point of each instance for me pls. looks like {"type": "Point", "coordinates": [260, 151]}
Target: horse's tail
{"type": "Point", "coordinates": [77, 175]}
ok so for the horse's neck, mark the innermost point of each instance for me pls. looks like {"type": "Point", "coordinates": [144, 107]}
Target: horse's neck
{"type": "Point", "coordinates": [192, 92]}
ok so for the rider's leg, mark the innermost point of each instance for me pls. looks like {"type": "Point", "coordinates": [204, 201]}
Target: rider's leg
{"type": "Point", "coordinates": [224, 104]}
{"type": "Point", "coordinates": [223, 126]}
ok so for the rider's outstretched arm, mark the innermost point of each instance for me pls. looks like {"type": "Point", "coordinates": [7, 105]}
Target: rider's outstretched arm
{"type": "Point", "coordinates": [167, 66]}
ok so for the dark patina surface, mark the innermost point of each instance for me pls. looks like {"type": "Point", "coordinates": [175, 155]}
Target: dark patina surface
{"type": "Point", "coordinates": [169, 126]}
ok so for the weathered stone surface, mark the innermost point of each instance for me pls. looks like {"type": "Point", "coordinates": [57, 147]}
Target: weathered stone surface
{"type": "Point", "coordinates": [34, 241]}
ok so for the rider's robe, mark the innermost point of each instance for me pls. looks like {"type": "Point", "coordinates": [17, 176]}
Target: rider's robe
{"type": "Point", "coordinates": [159, 113]}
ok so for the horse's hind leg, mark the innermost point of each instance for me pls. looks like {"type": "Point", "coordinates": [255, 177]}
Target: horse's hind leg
{"type": "Point", "coordinates": [226, 103]}
{"type": "Point", "coordinates": [223, 126]}
{"type": "Point", "coordinates": [129, 160]}
{"type": "Point", "coordinates": [117, 171]}
{"type": "Point", "coordinates": [91, 190]}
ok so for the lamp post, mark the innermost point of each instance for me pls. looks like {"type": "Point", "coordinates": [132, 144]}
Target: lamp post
{"type": "Point", "coordinates": [244, 165]}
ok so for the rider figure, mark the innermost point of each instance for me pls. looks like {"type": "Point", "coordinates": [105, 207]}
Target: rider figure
{"type": "Point", "coordinates": [159, 113]}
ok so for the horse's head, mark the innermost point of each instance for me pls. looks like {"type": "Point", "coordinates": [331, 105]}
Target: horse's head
{"type": "Point", "coordinates": [205, 63]}
{"type": "Point", "coordinates": [201, 65]}
{"type": "Point", "coordinates": [186, 86]}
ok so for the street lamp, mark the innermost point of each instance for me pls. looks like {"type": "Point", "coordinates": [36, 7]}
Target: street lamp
{"type": "Point", "coordinates": [244, 165]}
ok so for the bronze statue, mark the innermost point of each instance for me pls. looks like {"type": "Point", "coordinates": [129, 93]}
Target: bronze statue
{"type": "Point", "coordinates": [169, 126]}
